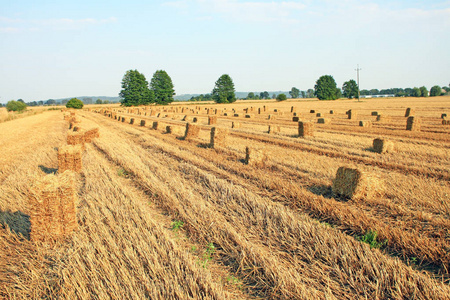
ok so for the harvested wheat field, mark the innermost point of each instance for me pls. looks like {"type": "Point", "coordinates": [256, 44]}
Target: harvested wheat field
{"type": "Point", "coordinates": [342, 211]}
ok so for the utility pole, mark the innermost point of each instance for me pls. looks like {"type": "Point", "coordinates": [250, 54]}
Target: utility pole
{"type": "Point", "coordinates": [357, 78]}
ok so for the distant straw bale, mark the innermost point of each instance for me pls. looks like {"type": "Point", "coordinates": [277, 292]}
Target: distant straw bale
{"type": "Point", "coordinates": [255, 157]}
{"type": "Point", "coordinates": [295, 119]}
{"type": "Point", "coordinates": [382, 145]}
{"type": "Point", "coordinates": [445, 122]}
{"type": "Point", "coordinates": [249, 116]}
{"type": "Point", "coordinates": [409, 112]}
{"type": "Point", "coordinates": [212, 120]}
{"type": "Point", "coordinates": [236, 115]}
{"type": "Point", "coordinates": [192, 131]}
{"type": "Point", "coordinates": [218, 137]}
{"type": "Point", "coordinates": [91, 134]}
{"type": "Point", "coordinates": [374, 113]}
{"type": "Point", "coordinates": [443, 116]}
{"type": "Point", "coordinates": [323, 121]}
{"type": "Point", "coordinates": [274, 129]}
{"type": "Point", "coordinates": [352, 114]}
{"type": "Point", "coordinates": [413, 123]}
{"type": "Point", "coordinates": [271, 117]}
{"type": "Point", "coordinates": [365, 123]}
{"type": "Point", "coordinates": [312, 111]}
{"type": "Point", "coordinates": [305, 129]}
{"type": "Point", "coordinates": [356, 184]}
{"type": "Point", "coordinates": [155, 125]}
{"type": "Point", "coordinates": [235, 125]}
{"type": "Point", "coordinates": [293, 109]}
{"type": "Point", "coordinates": [132, 121]}
{"type": "Point", "coordinates": [195, 120]}
{"type": "Point", "coordinates": [142, 123]}
{"type": "Point", "coordinates": [331, 112]}
{"type": "Point", "coordinates": [318, 114]}
{"type": "Point", "coordinates": [53, 207]}
{"type": "Point", "coordinates": [69, 158]}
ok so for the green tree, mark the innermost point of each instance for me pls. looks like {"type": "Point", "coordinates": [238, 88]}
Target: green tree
{"type": "Point", "coordinates": [325, 88]}
{"type": "Point", "coordinates": [223, 91]}
{"type": "Point", "coordinates": [310, 93]}
{"type": "Point", "coordinates": [99, 101]}
{"type": "Point", "coordinates": [251, 95]}
{"type": "Point", "coordinates": [423, 92]}
{"type": "Point", "coordinates": [75, 103]}
{"type": "Point", "coordinates": [135, 89]}
{"type": "Point", "coordinates": [15, 106]}
{"type": "Point", "coordinates": [294, 92]}
{"type": "Point", "coordinates": [281, 97]}
{"type": "Point", "coordinates": [435, 91]}
{"type": "Point", "coordinates": [162, 87]}
{"type": "Point", "coordinates": [350, 89]}
{"type": "Point", "coordinates": [416, 92]}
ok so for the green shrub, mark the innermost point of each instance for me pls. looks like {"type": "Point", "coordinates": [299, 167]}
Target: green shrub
{"type": "Point", "coordinates": [75, 103]}
{"type": "Point", "coordinates": [16, 106]}
{"type": "Point", "coordinates": [281, 97]}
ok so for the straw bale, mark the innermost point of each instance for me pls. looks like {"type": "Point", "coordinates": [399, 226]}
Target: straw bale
{"type": "Point", "coordinates": [192, 131]}
{"type": "Point", "coordinates": [72, 113]}
{"type": "Point", "coordinates": [91, 134]}
{"type": "Point", "coordinates": [255, 157]}
{"type": "Point", "coordinates": [274, 129]}
{"type": "Point", "coordinates": [365, 123]}
{"type": "Point", "coordinates": [271, 117]}
{"type": "Point", "coordinates": [75, 138]}
{"type": "Point", "coordinates": [249, 116]}
{"type": "Point", "coordinates": [409, 112]}
{"type": "Point", "coordinates": [382, 145]}
{"type": "Point", "coordinates": [331, 112]}
{"type": "Point", "coordinates": [352, 114]}
{"type": "Point", "coordinates": [355, 184]}
{"type": "Point", "coordinates": [236, 115]}
{"type": "Point", "coordinates": [295, 119]}
{"type": "Point", "coordinates": [184, 118]}
{"type": "Point", "coordinates": [124, 119]}
{"type": "Point", "coordinates": [235, 125]}
{"type": "Point", "coordinates": [69, 158]}
{"type": "Point", "coordinates": [312, 111]}
{"type": "Point", "coordinates": [132, 121]}
{"type": "Point", "coordinates": [305, 129]}
{"type": "Point", "coordinates": [443, 116]}
{"type": "Point", "coordinates": [293, 109]}
{"type": "Point", "coordinates": [259, 110]}
{"type": "Point", "coordinates": [413, 123]}
{"type": "Point", "coordinates": [318, 115]}
{"type": "Point", "coordinates": [445, 122]}
{"type": "Point", "coordinates": [225, 114]}
{"type": "Point", "coordinates": [53, 207]}
{"type": "Point", "coordinates": [218, 137]}
{"type": "Point", "coordinates": [374, 113]}
{"type": "Point", "coordinates": [155, 125]}
{"type": "Point", "coordinates": [295, 114]}
{"type": "Point", "coordinates": [212, 120]}
{"type": "Point", "coordinates": [323, 121]}
{"type": "Point", "coordinates": [195, 120]}
{"type": "Point", "coordinates": [383, 118]}
{"type": "Point", "coordinates": [142, 122]}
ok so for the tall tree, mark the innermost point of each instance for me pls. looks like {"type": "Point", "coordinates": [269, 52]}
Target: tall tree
{"type": "Point", "coordinates": [223, 91]}
{"type": "Point", "coordinates": [435, 91]}
{"type": "Point", "coordinates": [423, 92]}
{"type": "Point", "coordinates": [251, 95]}
{"type": "Point", "coordinates": [416, 92]}
{"type": "Point", "coordinates": [294, 92]}
{"type": "Point", "coordinates": [325, 88]}
{"type": "Point", "coordinates": [135, 89]}
{"type": "Point", "coordinates": [350, 89]}
{"type": "Point", "coordinates": [162, 87]}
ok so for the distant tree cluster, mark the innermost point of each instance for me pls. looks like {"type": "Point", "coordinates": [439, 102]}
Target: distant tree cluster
{"type": "Point", "coordinates": [137, 91]}
{"type": "Point", "coordinates": [17, 106]}
{"type": "Point", "coordinates": [408, 92]}
{"type": "Point", "coordinates": [207, 97]}
{"type": "Point", "coordinates": [75, 103]}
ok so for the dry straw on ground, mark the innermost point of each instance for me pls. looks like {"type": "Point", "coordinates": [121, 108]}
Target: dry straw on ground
{"type": "Point", "coordinates": [356, 184]}
{"type": "Point", "coordinates": [53, 207]}
{"type": "Point", "coordinates": [383, 118]}
{"type": "Point", "coordinates": [69, 158]}
{"type": "Point", "coordinates": [155, 125]}
{"type": "Point", "coordinates": [305, 129]}
{"type": "Point", "coordinates": [255, 157]}
{"type": "Point", "coordinates": [352, 115]}
{"type": "Point", "coordinates": [382, 145]}
{"type": "Point", "coordinates": [273, 129]}
{"type": "Point", "coordinates": [76, 138]}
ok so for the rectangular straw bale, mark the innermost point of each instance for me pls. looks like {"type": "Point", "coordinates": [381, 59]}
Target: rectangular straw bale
{"type": "Point", "coordinates": [155, 125]}
{"type": "Point", "coordinates": [409, 112]}
{"type": "Point", "coordinates": [365, 123]}
{"type": "Point", "coordinates": [312, 111]}
{"type": "Point", "coordinates": [318, 114]}
{"type": "Point", "coordinates": [212, 120]}
{"type": "Point", "coordinates": [355, 184]}
{"type": "Point", "coordinates": [218, 137]}
{"type": "Point", "coordinates": [142, 123]}
{"type": "Point", "coordinates": [305, 129]}
{"type": "Point", "coordinates": [132, 121]}
{"type": "Point", "coordinates": [443, 116]}
{"type": "Point", "coordinates": [69, 158]}
{"type": "Point", "coordinates": [413, 123]}
{"type": "Point", "coordinates": [76, 138]}
{"type": "Point", "coordinates": [274, 129]}
{"type": "Point", "coordinates": [293, 109]}
{"type": "Point", "coordinates": [235, 125]}
{"type": "Point", "coordinates": [236, 115]}
{"type": "Point", "coordinates": [255, 157]}
{"type": "Point", "coordinates": [382, 145]}
{"type": "Point", "coordinates": [124, 119]}
{"type": "Point", "coordinates": [295, 119]}
{"type": "Point", "coordinates": [195, 120]}
{"type": "Point", "coordinates": [323, 121]}
{"type": "Point", "coordinates": [249, 116]}
{"type": "Point", "coordinates": [374, 113]}
{"type": "Point", "coordinates": [271, 117]}
{"type": "Point", "coordinates": [53, 207]}
{"type": "Point", "coordinates": [445, 122]}
{"type": "Point", "coordinates": [192, 131]}
{"type": "Point", "coordinates": [383, 118]}
{"type": "Point", "coordinates": [331, 112]}
{"type": "Point", "coordinates": [91, 134]}
{"type": "Point", "coordinates": [352, 114]}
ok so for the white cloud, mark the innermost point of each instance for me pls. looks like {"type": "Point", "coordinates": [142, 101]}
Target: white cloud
{"type": "Point", "coordinates": [9, 29]}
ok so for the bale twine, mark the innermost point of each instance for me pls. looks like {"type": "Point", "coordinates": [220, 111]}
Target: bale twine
{"type": "Point", "coordinates": [255, 157]}
{"type": "Point", "coordinates": [218, 137]}
{"type": "Point", "coordinates": [132, 121]}
{"type": "Point", "coordinates": [295, 119]}
{"type": "Point", "coordinates": [91, 134]}
{"type": "Point", "coordinates": [155, 125]}
{"type": "Point", "coordinates": [235, 125]}
{"type": "Point", "coordinates": [382, 146]}
{"type": "Point", "coordinates": [53, 207]}
{"type": "Point", "coordinates": [413, 123]}
{"type": "Point", "coordinates": [142, 123]}
{"type": "Point", "coordinates": [365, 123]}
{"type": "Point", "coordinates": [274, 129]}
{"type": "Point", "coordinates": [409, 112]}
{"type": "Point", "coordinates": [305, 129]}
{"type": "Point", "coordinates": [69, 158]}
{"type": "Point", "coordinates": [192, 131]}
{"type": "Point", "coordinates": [212, 120]}
{"type": "Point", "coordinates": [355, 184]}
{"type": "Point", "coordinates": [352, 114]}
{"type": "Point", "coordinates": [323, 121]}
{"type": "Point", "coordinates": [374, 113]}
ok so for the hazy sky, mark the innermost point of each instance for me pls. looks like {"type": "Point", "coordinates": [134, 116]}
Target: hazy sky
{"type": "Point", "coordinates": [83, 48]}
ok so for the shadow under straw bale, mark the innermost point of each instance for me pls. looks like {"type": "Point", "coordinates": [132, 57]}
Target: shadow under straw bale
{"type": "Point", "coordinates": [47, 170]}
{"type": "Point", "coordinates": [18, 222]}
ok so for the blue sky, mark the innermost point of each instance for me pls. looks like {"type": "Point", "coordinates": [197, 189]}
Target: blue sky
{"type": "Point", "coordinates": [83, 48]}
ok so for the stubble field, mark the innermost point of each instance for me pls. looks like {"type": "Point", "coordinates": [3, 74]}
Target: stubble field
{"type": "Point", "coordinates": [163, 217]}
